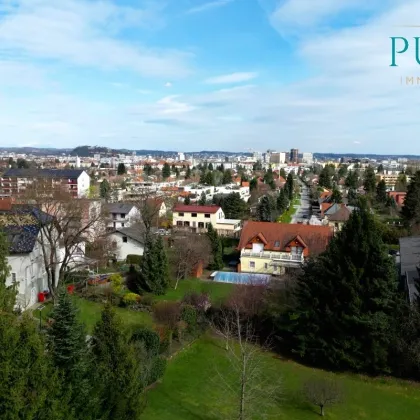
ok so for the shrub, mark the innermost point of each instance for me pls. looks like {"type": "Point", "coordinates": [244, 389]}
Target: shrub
{"type": "Point", "coordinates": [149, 338]}
{"type": "Point", "coordinates": [157, 370]}
{"type": "Point", "coordinates": [147, 300]}
{"type": "Point", "coordinates": [189, 315]}
{"type": "Point", "coordinates": [198, 301]}
{"type": "Point", "coordinates": [167, 313]}
{"type": "Point", "coordinates": [134, 259]}
{"type": "Point", "coordinates": [131, 298]}
{"type": "Point", "coordinates": [116, 282]}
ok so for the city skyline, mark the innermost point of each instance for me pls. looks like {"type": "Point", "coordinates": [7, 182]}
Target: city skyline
{"type": "Point", "coordinates": [208, 75]}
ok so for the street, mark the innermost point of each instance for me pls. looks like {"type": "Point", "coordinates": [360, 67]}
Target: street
{"type": "Point", "coordinates": [303, 211]}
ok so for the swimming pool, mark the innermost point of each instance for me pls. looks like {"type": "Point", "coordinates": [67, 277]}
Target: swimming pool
{"type": "Point", "coordinates": [240, 278]}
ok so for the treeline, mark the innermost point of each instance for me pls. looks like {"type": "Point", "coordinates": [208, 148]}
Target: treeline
{"type": "Point", "coordinates": [66, 374]}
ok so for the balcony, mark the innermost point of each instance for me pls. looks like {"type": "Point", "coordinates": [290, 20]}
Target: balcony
{"type": "Point", "coordinates": [275, 257]}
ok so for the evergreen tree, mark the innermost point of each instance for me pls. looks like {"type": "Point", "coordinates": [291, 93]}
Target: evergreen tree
{"type": "Point", "coordinates": [401, 184]}
{"type": "Point", "coordinates": [161, 279]}
{"type": "Point", "coordinates": [105, 189]}
{"type": "Point", "coordinates": [336, 196]}
{"type": "Point", "coordinates": [187, 200]}
{"type": "Point", "coordinates": [369, 181]}
{"type": "Point", "coordinates": [380, 169]}
{"type": "Point", "coordinates": [352, 197]}
{"type": "Point", "coordinates": [203, 199]}
{"type": "Point", "coordinates": [253, 184]}
{"type": "Point", "coordinates": [177, 173]}
{"type": "Point", "coordinates": [210, 167]}
{"type": "Point", "coordinates": [381, 192]}
{"type": "Point", "coordinates": [282, 201]}
{"type": "Point", "coordinates": [153, 275]}
{"type": "Point", "coordinates": [268, 176]}
{"type": "Point", "coordinates": [233, 206]}
{"type": "Point", "coordinates": [346, 299]}
{"type": "Point", "coordinates": [342, 171]}
{"type": "Point", "coordinates": [283, 173]}
{"type": "Point", "coordinates": [118, 369]}
{"type": "Point", "coordinates": [411, 209]}
{"type": "Point", "coordinates": [325, 177]}
{"type": "Point", "coordinates": [290, 186]}
{"type": "Point", "coordinates": [352, 180]}
{"type": "Point", "coordinates": [264, 210]}
{"type": "Point", "coordinates": [188, 173]}
{"type": "Point", "coordinates": [227, 177]}
{"type": "Point", "coordinates": [216, 248]}
{"type": "Point", "coordinates": [147, 169]}
{"type": "Point", "coordinates": [121, 169]}
{"type": "Point", "coordinates": [208, 178]}
{"type": "Point", "coordinates": [69, 352]}
{"type": "Point", "coordinates": [166, 171]}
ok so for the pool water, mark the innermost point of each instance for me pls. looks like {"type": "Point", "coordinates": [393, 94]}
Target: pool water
{"type": "Point", "coordinates": [241, 278]}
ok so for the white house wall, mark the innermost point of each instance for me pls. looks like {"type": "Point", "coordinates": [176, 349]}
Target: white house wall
{"type": "Point", "coordinates": [126, 248]}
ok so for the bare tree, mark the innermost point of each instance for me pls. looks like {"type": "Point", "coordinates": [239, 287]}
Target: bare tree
{"type": "Point", "coordinates": [245, 380]}
{"type": "Point", "coordinates": [322, 393]}
{"type": "Point", "coordinates": [75, 224]}
{"type": "Point", "coordinates": [187, 252]}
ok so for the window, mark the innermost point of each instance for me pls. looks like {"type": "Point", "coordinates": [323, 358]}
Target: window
{"type": "Point", "coordinates": [201, 225]}
{"type": "Point", "coordinates": [179, 223]}
{"type": "Point", "coordinates": [13, 277]}
{"type": "Point", "coordinates": [207, 225]}
{"type": "Point", "coordinates": [207, 215]}
{"type": "Point", "coordinates": [181, 214]}
{"type": "Point", "coordinates": [266, 266]}
{"type": "Point", "coordinates": [187, 224]}
{"type": "Point", "coordinates": [122, 224]}
{"type": "Point", "coordinates": [114, 215]}
{"type": "Point", "coordinates": [252, 264]}
{"type": "Point", "coordinates": [125, 239]}
{"type": "Point", "coordinates": [122, 215]}
{"type": "Point", "coordinates": [277, 244]}
{"type": "Point", "coordinates": [297, 250]}
{"type": "Point", "coordinates": [193, 214]}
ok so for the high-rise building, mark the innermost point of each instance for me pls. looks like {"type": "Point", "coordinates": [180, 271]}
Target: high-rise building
{"type": "Point", "coordinates": [181, 156]}
{"type": "Point", "coordinates": [294, 155]}
{"type": "Point", "coordinates": [307, 158]}
{"type": "Point", "coordinates": [278, 157]}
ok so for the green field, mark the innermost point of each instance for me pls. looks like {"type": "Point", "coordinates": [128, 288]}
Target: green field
{"type": "Point", "coordinates": [216, 291]}
{"type": "Point", "coordinates": [191, 391]}
{"type": "Point", "coordinates": [90, 313]}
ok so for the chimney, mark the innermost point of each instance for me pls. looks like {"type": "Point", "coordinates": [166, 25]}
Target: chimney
{"type": "Point", "coordinates": [6, 204]}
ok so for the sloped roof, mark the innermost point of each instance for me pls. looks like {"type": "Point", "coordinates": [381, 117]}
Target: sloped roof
{"type": "Point", "coordinates": [315, 237]}
{"type": "Point", "coordinates": [135, 232]}
{"type": "Point", "coordinates": [341, 215]}
{"type": "Point", "coordinates": [120, 207]}
{"type": "Point", "coordinates": [43, 173]}
{"type": "Point", "coordinates": [182, 208]}
{"type": "Point", "coordinates": [21, 225]}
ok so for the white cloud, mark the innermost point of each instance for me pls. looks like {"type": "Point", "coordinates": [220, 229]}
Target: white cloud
{"type": "Point", "coordinates": [208, 6]}
{"type": "Point", "coordinates": [232, 78]}
{"type": "Point", "coordinates": [85, 33]}
{"type": "Point", "coordinates": [168, 84]}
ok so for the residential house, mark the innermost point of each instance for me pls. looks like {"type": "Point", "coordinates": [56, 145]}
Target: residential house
{"type": "Point", "coordinates": [15, 181]}
{"type": "Point", "coordinates": [197, 219]}
{"type": "Point", "coordinates": [398, 196]}
{"type": "Point", "coordinates": [127, 241]}
{"type": "Point", "coordinates": [270, 248]}
{"type": "Point", "coordinates": [158, 205]}
{"type": "Point", "coordinates": [390, 179]}
{"type": "Point", "coordinates": [22, 228]}
{"type": "Point", "coordinates": [410, 265]}
{"type": "Point", "coordinates": [335, 215]}
{"type": "Point", "coordinates": [122, 215]}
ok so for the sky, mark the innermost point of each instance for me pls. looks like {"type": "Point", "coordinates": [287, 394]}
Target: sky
{"type": "Point", "coordinates": [190, 75]}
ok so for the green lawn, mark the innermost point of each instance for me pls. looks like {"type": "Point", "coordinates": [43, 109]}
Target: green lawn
{"type": "Point", "coordinates": [190, 391]}
{"type": "Point", "coordinates": [90, 313]}
{"type": "Point", "coordinates": [217, 291]}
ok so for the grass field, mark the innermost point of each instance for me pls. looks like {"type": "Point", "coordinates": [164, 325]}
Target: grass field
{"type": "Point", "coordinates": [190, 391]}
{"type": "Point", "coordinates": [90, 313]}
{"type": "Point", "coordinates": [216, 291]}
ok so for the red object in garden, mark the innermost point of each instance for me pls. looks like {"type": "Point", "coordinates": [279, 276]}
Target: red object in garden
{"type": "Point", "coordinates": [41, 297]}
{"type": "Point", "coordinates": [70, 288]}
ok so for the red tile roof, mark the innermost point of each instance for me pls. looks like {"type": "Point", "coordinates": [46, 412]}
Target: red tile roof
{"type": "Point", "coordinates": [325, 207]}
{"type": "Point", "coordinates": [316, 238]}
{"type": "Point", "coordinates": [195, 209]}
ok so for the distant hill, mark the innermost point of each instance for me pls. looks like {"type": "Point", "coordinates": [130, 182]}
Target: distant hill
{"type": "Point", "coordinates": [361, 156]}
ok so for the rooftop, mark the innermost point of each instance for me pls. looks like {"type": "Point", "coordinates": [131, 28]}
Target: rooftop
{"type": "Point", "coordinates": [182, 208]}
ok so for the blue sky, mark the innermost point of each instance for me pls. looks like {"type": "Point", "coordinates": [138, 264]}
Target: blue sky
{"type": "Point", "coordinates": [202, 74]}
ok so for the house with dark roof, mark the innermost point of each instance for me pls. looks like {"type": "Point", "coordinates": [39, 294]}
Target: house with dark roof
{"type": "Point", "coordinates": [197, 219]}
{"type": "Point", "coordinates": [270, 248]}
{"type": "Point", "coordinates": [22, 227]}
{"type": "Point", "coordinates": [335, 214]}
{"type": "Point", "coordinates": [410, 265]}
{"type": "Point", "coordinates": [127, 241]}
{"type": "Point", "coordinates": [122, 215]}
{"type": "Point", "coordinates": [14, 182]}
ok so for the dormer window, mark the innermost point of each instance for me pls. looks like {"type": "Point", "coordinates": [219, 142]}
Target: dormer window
{"type": "Point", "coordinates": [277, 244]}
